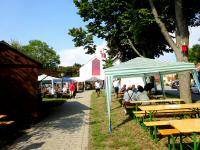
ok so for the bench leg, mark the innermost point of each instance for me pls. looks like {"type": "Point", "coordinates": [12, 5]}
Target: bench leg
{"type": "Point", "coordinates": [195, 140]}
{"type": "Point", "coordinates": [151, 132]}
{"type": "Point", "coordinates": [173, 142]}
{"type": "Point", "coordinates": [169, 145]}
{"type": "Point", "coordinates": [155, 134]}
{"type": "Point", "coordinates": [181, 141]}
{"type": "Point", "coordinates": [171, 137]}
{"type": "Point", "coordinates": [151, 116]}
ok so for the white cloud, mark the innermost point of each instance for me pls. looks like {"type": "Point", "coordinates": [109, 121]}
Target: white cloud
{"type": "Point", "coordinates": [69, 57]}
{"type": "Point", "coordinates": [193, 39]}
{"type": "Point", "coordinates": [167, 57]}
{"type": "Point", "coordinates": [194, 36]}
{"type": "Point", "coordinates": [77, 55]}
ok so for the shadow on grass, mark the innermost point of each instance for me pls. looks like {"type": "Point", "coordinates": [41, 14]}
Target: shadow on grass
{"type": "Point", "coordinates": [123, 122]}
{"type": "Point", "coordinates": [116, 107]}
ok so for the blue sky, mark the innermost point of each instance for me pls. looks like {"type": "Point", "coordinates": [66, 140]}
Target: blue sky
{"type": "Point", "coordinates": [45, 20]}
{"type": "Point", "coordinates": [49, 21]}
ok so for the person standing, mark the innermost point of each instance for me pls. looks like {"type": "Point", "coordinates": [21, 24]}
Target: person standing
{"type": "Point", "coordinates": [116, 85]}
{"type": "Point", "coordinates": [97, 87]}
{"type": "Point", "coordinates": [71, 89]}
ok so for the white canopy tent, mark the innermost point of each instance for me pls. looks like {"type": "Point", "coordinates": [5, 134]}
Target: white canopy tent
{"type": "Point", "coordinates": [78, 79]}
{"type": "Point", "coordinates": [141, 67]}
{"type": "Point", "coordinates": [45, 77]}
{"type": "Point", "coordinates": [93, 79]}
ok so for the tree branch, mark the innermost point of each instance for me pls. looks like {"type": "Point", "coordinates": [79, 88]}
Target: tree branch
{"type": "Point", "coordinates": [133, 47]}
{"type": "Point", "coordinates": [163, 29]}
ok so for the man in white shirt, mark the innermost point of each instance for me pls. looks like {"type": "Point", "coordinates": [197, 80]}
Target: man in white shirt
{"type": "Point", "coordinates": [129, 95]}
{"type": "Point", "coordinates": [97, 87]}
{"type": "Point", "coordinates": [116, 85]}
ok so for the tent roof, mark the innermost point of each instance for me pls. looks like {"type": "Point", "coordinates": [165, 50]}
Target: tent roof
{"type": "Point", "coordinates": [144, 66]}
{"type": "Point", "coordinates": [93, 79]}
{"type": "Point", "coordinates": [46, 77]}
{"type": "Point", "coordinates": [78, 79]}
{"type": "Point", "coordinates": [68, 79]}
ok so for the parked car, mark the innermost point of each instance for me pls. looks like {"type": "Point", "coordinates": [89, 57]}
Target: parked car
{"type": "Point", "coordinates": [195, 89]}
{"type": "Point", "coordinates": [175, 84]}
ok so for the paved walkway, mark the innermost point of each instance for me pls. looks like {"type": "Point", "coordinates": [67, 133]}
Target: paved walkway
{"type": "Point", "coordinates": [66, 129]}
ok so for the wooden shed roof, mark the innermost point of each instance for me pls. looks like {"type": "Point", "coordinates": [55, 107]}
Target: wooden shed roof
{"type": "Point", "coordinates": [11, 57]}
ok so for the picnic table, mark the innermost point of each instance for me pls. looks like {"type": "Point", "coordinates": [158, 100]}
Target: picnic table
{"type": "Point", "coordinates": [157, 97]}
{"type": "Point", "coordinates": [180, 127]}
{"type": "Point", "coordinates": [154, 108]}
{"type": "Point", "coordinates": [186, 126]}
{"type": "Point", "coordinates": [157, 101]}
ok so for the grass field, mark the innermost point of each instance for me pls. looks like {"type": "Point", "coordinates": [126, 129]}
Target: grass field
{"type": "Point", "coordinates": [126, 135]}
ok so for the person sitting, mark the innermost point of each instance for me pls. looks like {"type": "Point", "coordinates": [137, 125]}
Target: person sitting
{"type": "Point", "coordinates": [148, 87]}
{"type": "Point", "coordinates": [142, 95]}
{"type": "Point", "coordinates": [128, 96]}
{"type": "Point", "coordinates": [123, 89]}
{"type": "Point", "coordinates": [134, 89]}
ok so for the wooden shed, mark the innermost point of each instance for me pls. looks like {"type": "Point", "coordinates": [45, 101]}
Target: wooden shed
{"type": "Point", "coordinates": [18, 82]}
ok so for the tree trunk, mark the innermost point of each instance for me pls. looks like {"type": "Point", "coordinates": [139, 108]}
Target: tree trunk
{"type": "Point", "coordinates": [182, 38]}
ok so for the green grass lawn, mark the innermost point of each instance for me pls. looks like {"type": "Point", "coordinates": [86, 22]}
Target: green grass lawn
{"type": "Point", "coordinates": [126, 135]}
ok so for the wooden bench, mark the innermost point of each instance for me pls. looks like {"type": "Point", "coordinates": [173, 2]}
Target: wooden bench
{"type": "Point", "coordinates": [170, 134]}
{"type": "Point", "coordinates": [156, 123]}
{"type": "Point", "coordinates": [164, 113]}
{"type": "Point", "coordinates": [2, 123]}
{"type": "Point", "coordinates": [153, 127]}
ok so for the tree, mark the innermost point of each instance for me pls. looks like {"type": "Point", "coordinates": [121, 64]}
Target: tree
{"type": "Point", "coordinates": [182, 20]}
{"type": "Point", "coordinates": [127, 30]}
{"type": "Point", "coordinates": [71, 71]}
{"type": "Point", "coordinates": [119, 22]}
{"type": "Point", "coordinates": [16, 44]}
{"type": "Point", "coordinates": [108, 62]}
{"type": "Point", "coordinates": [41, 52]}
{"type": "Point", "coordinates": [194, 54]}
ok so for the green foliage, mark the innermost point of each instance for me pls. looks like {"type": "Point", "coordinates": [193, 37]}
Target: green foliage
{"type": "Point", "coordinates": [16, 44]}
{"type": "Point", "coordinates": [71, 71]}
{"type": "Point", "coordinates": [41, 52]}
{"type": "Point", "coordinates": [81, 38]}
{"type": "Point", "coordinates": [108, 62]}
{"type": "Point", "coordinates": [118, 21]}
{"type": "Point", "coordinates": [127, 133]}
{"type": "Point", "coordinates": [194, 54]}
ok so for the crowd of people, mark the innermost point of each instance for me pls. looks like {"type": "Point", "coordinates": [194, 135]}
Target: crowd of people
{"type": "Point", "coordinates": [133, 93]}
{"type": "Point", "coordinates": [58, 91]}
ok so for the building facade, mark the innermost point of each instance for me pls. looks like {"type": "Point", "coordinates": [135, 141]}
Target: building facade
{"type": "Point", "coordinates": [93, 68]}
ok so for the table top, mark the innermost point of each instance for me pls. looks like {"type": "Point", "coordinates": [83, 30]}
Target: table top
{"type": "Point", "coordinates": [186, 125]}
{"type": "Point", "coordinates": [158, 101]}
{"type": "Point", "coordinates": [171, 106]}
{"type": "Point", "coordinates": [3, 116]}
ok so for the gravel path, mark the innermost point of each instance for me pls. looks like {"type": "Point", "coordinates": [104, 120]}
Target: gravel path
{"type": "Point", "coordinates": [66, 129]}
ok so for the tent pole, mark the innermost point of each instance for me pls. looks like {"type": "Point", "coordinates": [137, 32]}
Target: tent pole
{"type": "Point", "coordinates": [109, 99]}
{"type": "Point", "coordinates": [52, 85]}
{"type": "Point", "coordinates": [162, 84]}
{"type": "Point", "coordinates": [145, 79]}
